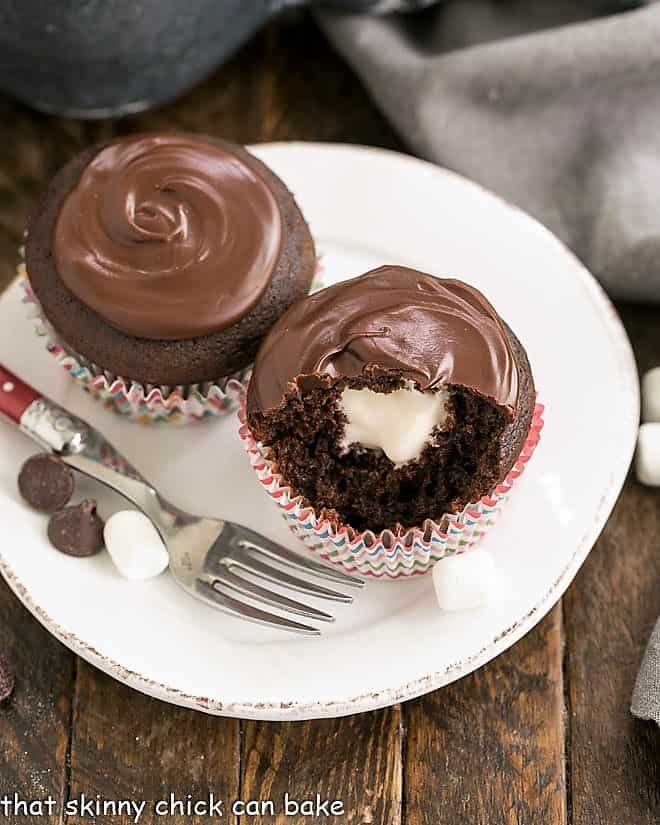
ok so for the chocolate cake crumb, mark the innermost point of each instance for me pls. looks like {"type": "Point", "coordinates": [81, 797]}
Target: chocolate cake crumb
{"type": "Point", "coordinates": [362, 488]}
{"type": "Point", "coordinates": [389, 330]}
{"type": "Point", "coordinates": [46, 483]}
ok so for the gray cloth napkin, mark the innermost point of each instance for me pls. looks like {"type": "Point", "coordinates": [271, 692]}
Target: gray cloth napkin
{"type": "Point", "coordinates": [552, 105]}
{"type": "Point", "coordinates": [558, 116]}
{"type": "Point", "coordinates": [646, 696]}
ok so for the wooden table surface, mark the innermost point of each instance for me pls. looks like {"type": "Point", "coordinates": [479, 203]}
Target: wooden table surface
{"type": "Point", "coordinates": [540, 736]}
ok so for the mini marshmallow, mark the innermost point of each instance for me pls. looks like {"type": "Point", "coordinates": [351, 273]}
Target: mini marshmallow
{"type": "Point", "coordinates": [135, 546]}
{"type": "Point", "coordinates": [647, 460]}
{"type": "Point", "coordinates": [399, 423]}
{"type": "Point", "coordinates": [465, 581]}
{"type": "Point", "coordinates": [651, 395]}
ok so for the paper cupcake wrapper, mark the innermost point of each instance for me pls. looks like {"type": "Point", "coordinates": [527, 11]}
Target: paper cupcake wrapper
{"type": "Point", "coordinates": [386, 555]}
{"type": "Point", "coordinates": [143, 403]}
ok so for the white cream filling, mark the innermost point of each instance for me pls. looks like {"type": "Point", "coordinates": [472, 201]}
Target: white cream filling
{"type": "Point", "coordinates": [399, 423]}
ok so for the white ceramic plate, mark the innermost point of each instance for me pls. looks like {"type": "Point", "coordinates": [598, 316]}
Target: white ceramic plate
{"type": "Point", "coordinates": [366, 207]}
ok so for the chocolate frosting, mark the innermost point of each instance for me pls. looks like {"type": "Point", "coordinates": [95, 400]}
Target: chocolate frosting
{"type": "Point", "coordinates": [168, 236]}
{"type": "Point", "coordinates": [431, 330]}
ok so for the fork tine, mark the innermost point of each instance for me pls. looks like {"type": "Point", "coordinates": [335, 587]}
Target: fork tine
{"type": "Point", "coordinates": [282, 554]}
{"type": "Point", "coordinates": [253, 591]}
{"type": "Point", "coordinates": [227, 604]}
{"type": "Point", "coordinates": [274, 575]}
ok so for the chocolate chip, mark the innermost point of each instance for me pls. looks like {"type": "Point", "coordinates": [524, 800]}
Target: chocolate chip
{"type": "Point", "coordinates": [46, 483]}
{"type": "Point", "coordinates": [6, 678]}
{"type": "Point", "coordinates": [77, 531]}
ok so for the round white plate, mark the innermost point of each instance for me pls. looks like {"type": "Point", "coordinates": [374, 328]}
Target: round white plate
{"type": "Point", "coordinates": [366, 207]}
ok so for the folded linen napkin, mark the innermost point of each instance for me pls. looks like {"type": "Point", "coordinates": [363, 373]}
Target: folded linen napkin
{"type": "Point", "coordinates": [554, 105]}
{"type": "Point", "coordinates": [646, 696]}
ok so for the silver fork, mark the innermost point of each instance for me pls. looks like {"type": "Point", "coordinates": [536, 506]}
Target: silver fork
{"type": "Point", "coordinates": [214, 560]}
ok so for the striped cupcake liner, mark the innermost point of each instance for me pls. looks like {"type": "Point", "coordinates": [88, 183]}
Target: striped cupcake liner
{"type": "Point", "coordinates": [386, 555]}
{"type": "Point", "coordinates": [145, 404]}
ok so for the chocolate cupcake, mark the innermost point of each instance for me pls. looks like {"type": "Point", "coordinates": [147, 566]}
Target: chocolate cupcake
{"type": "Point", "coordinates": [159, 262]}
{"type": "Point", "coordinates": [392, 409]}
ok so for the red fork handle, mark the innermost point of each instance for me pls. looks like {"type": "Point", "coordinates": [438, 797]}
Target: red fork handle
{"type": "Point", "coordinates": [44, 421]}
{"type": "Point", "coordinates": [15, 396]}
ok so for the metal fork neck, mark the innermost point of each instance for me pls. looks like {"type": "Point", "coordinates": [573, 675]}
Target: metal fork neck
{"type": "Point", "coordinates": [54, 428]}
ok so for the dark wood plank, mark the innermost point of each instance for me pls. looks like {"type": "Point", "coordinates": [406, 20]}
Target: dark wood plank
{"type": "Point", "coordinates": [489, 749]}
{"type": "Point", "coordinates": [127, 746]}
{"type": "Point", "coordinates": [355, 760]}
{"type": "Point", "coordinates": [35, 721]}
{"type": "Point", "coordinates": [34, 147]}
{"type": "Point", "coordinates": [610, 610]}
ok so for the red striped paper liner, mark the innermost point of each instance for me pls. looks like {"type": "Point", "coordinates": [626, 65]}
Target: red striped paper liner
{"type": "Point", "coordinates": [385, 555]}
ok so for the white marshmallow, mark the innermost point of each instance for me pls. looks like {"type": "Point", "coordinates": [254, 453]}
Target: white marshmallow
{"type": "Point", "coordinates": [465, 581]}
{"type": "Point", "coordinates": [135, 546]}
{"type": "Point", "coordinates": [399, 423]}
{"type": "Point", "coordinates": [647, 459]}
{"type": "Point", "coordinates": [651, 395]}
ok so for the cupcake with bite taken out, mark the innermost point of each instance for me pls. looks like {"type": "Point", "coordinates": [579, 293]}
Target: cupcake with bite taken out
{"type": "Point", "coordinates": [158, 262]}
{"type": "Point", "coordinates": [388, 416]}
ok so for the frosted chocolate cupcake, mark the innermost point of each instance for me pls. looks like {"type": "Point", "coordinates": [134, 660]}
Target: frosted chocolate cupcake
{"type": "Point", "coordinates": [161, 260]}
{"type": "Point", "coordinates": [389, 403]}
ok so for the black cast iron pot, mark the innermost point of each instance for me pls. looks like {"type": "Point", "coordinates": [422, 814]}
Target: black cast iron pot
{"type": "Point", "coordinates": [96, 58]}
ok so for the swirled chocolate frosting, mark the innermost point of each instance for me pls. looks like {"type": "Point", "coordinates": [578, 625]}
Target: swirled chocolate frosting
{"type": "Point", "coordinates": [168, 236]}
{"type": "Point", "coordinates": [431, 330]}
